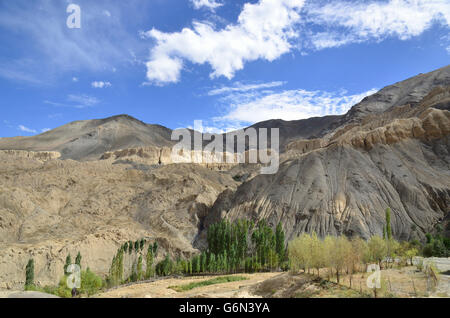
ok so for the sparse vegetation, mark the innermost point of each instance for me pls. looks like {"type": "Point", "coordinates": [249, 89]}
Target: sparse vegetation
{"type": "Point", "coordinates": [29, 274]}
{"type": "Point", "coordinates": [218, 280]}
{"type": "Point", "coordinates": [340, 254]}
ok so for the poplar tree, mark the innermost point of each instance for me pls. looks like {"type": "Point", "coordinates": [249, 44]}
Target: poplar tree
{"type": "Point", "coordinates": [280, 241]}
{"type": "Point", "coordinates": [149, 262]}
{"type": "Point", "coordinates": [68, 262]}
{"type": "Point", "coordinates": [29, 273]}
{"type": "Point", "coordinates": [139, 268]}
{"type": "Point", "coordinates": [130, 247]}
{"type": "Point", "coordinates": [155, 248]}
{"type": "Point", "coordinates": [388, 224]}
{"type": "Point", "coordinates": [78, 259]}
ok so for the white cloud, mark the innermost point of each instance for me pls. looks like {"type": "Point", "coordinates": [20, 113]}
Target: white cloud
{"type": "Point", "coordinates": [210, 4]}
{"type": "Point", "coordinates": [101, 84]}
{"type": "Point", "coordinates": [240, 87]}
{"type": "Point", "coordinates": [82, 101]}
{"type": "Point", "coordinates": [263, 31]}
{"type": "Point", "coordinates": [45, 129]}
{"type": "Point", "coordinates": [268, 29]}
{"type": "Point", "coordinates": [54, 50]}
{"type": "Point", "coordinates": [26, 129]}
{"type": "Point", "coordinates": [289, 105]}
{"type": "Point", "coordinates": [74, 79]}
{"type": "Point", "coordinates": [353, 22]}
{"type": "Point", "coordinates": [448, 49]}
{"type": "Point", "coordinates": [75, 101]}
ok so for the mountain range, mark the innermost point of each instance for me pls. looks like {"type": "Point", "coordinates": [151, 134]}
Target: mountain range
{"type": "Point", "coordinates": [91, 185]}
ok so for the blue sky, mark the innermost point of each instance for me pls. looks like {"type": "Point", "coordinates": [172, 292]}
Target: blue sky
{"type": "Point", "coordinates": [230, 63]}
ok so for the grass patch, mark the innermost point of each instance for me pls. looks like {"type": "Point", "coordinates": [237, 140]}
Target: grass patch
{"type": "Point", "coordinates": [217, 280]}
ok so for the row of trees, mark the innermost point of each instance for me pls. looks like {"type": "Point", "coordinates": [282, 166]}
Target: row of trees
{"type": "Point", "coordinates": [340, 254]}
{"type": "Point", "coordinates": [242, 246]}
{"type": "Point", "coordinates": [116, 271]}
{"type": "Point", "coordinates": [69, 262]}
{"type": "Point", "coordinates": [235, 247]}
{"type": "Point", "coordinates": [232, 247]}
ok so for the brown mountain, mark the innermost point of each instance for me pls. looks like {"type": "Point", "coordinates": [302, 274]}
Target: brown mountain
{"type": "Point", "coordinates": [337, 175]}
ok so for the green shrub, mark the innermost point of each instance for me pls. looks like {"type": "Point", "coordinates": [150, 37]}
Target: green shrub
{"type": "Point", "coordinates": [90, 283]}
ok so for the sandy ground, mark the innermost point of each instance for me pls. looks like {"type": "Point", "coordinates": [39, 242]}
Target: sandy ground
{"type": "Point", "coordinates": [400, 282]}
{"type": "Point", "coordinates": [160, 289]}
{"type": "Point", "coordinates": [25, 294]}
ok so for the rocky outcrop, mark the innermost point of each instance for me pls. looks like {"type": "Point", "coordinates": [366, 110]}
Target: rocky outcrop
{"type": "Point", "coordinates": [342, 184]}
{"type": "Point", "coordinates": [40, 155]}
{"type": "Point", "coordinates": [343, 190]}
{"type": "Point", "coordinates": [52, 208]}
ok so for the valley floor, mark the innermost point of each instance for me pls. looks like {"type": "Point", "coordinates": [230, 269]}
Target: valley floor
{"type": "Point", "coordinates": [161, 288]}
{"type": "Point", "coordinates": [403, 282]}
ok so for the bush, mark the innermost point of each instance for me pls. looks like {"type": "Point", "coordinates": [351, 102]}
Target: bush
{"type": "Point", "coordinates": [90, 283]}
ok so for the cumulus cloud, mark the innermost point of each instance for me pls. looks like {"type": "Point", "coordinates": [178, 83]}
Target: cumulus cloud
{"type": "Point", "coordinates": [26, 129]}
{"type": "Point", "coordinates": [270, 28]}
{"type": "Point", "coordinates": [289, 105]}
{"type": "Point", "coordinates": [263, 31]}
{"type": "Point", "coordinates": [346, 22]}
{"type": "Point", "coordinates": [101, 84]}
{"type": "Point", "coordinates": [209, 4]}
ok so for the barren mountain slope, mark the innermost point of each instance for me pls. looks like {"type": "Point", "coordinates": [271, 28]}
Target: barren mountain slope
{"type": "Point", "coordinates": [410, 91]}
{"type": "Point", "coordinates": [337, 176]}
{"type": "Point", "coordinates": [89, 139]}
{"type": "Point", "coordinates": [51, 208]}
{"type": "Point", "coordinates": [342, 185]}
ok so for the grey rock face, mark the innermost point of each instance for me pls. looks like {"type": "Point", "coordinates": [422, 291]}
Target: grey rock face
{"type": "Point", "coordinates": [412, 90]}
{"type": "Point", "coordinates": [343, 190]}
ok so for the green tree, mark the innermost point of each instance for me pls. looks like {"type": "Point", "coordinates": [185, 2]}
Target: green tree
{"type": "Point", "coordinates": [139, 268]}
{"type": "Point", "coordinates": [68, 262]}
{"type": "Point", "coordinates": [388, 224]}
{"type": "Point", "coordinates": [78, 259]}
{"type": "Point", "coordinates": [29, 274]}
{"type": "Point", "coordinates": [90, 283]}
{"type": "Point", "coordinates": [377, 249]}
{"type": "Point", "coordinates": [280, 241]}
{"type": "Point", "coordinates": [149, 263]}
{"type": "Point", "coordinates": [165, 267]}
{"type": "Point", "coordinates": [203, 262]}
{"type": "Point", "coordinates": [155, 248]}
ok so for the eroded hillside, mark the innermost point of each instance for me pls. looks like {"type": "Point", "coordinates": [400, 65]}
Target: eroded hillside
{"type": "Point", "coordinates": [337, 175]}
